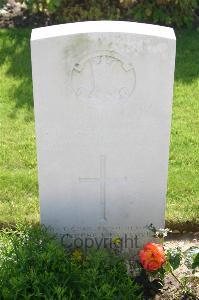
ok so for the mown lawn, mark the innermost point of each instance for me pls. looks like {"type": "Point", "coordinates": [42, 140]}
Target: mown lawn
{"type": "Point", "coordinates": [18, 169]}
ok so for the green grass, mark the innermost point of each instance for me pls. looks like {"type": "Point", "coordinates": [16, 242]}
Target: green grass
{"type": "Point", "coordinates": [183, 184]}
{"type": "Point", "coordinates": [18, 175]}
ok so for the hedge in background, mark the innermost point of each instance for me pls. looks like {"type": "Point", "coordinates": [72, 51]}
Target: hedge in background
{"type": "Point", "coordinates": [177, 13]}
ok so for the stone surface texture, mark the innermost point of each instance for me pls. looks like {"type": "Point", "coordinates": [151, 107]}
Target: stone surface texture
{"type": "Point", "coordinates": [103, 102]}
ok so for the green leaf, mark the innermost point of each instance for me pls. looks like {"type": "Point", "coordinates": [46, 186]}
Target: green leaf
{"type": "Point", "coordinates": [192, 257]}
{"type": "Point", "coordinates": [196, 262]}
{"type": "Point", "coordinates": [167, 267]}
{"type": "Point", "coordinates": [174, 257]}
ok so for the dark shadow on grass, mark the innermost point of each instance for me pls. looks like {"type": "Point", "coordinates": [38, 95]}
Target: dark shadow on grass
{"type": "Point", "coordinates": [15, 52]}
{"type": "Point", "coordinates": [187, 56]}
{"type": "Point", "coordinates": [188, 226]}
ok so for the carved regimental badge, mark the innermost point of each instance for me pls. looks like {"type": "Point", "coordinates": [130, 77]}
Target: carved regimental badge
{"type": "Point", "coordinates": [103, 75]}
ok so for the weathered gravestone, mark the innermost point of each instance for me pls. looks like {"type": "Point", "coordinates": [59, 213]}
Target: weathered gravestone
{"type": "Point", "coordinates": [103, 100]}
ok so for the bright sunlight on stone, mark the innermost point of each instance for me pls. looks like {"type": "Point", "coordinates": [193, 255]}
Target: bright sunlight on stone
{"type": "Point", "coordinates": [103, 103]}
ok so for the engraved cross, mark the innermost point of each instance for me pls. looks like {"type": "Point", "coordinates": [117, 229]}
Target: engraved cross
{"type": "Point", "coordinates": [102, 179]}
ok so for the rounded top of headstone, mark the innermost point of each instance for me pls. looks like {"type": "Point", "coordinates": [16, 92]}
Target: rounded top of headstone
{"type": "Point", "coordinates": [102, 26]}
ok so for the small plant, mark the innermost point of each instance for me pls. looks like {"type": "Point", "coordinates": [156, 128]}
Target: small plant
{"type": "Point", "coordinates": [2, 3]}
{"type": "Point", "coordinates": [34, 265]}
{"type": "Point", "coordinates": [155, 261]}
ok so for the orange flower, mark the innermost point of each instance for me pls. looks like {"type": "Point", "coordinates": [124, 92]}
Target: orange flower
{"type": "Point", "coordinates": [152, 256]}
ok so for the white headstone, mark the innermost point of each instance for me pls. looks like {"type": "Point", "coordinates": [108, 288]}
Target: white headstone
{"type": "Point", "coordinates": [103, 101]}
